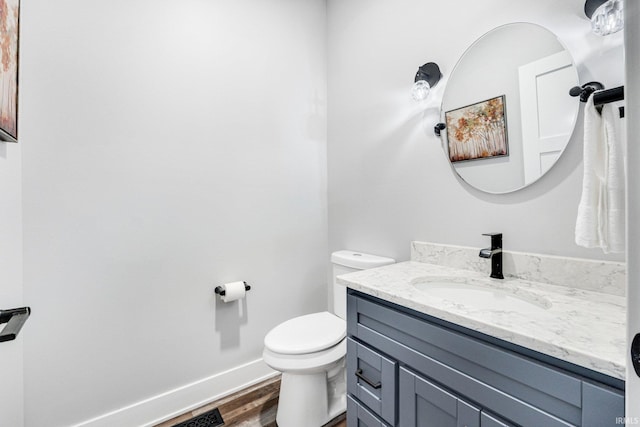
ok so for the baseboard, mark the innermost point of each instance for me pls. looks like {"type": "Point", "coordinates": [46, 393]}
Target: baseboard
{"type": "Point", "coordinates": [165, 406]}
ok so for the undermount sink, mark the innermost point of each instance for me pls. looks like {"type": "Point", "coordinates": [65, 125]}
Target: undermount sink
{"type": "Point", "coordinates": [481, 293]}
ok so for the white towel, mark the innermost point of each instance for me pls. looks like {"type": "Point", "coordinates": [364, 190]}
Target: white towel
{"type": "Point", "coordinates": [601, 212]}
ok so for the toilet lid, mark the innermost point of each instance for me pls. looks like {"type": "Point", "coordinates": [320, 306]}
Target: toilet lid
{"type": "Point", "coordinates": [306, 334]}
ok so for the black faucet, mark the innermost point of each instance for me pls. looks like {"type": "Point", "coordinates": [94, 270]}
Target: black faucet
{"type": "Point", "coordinates": [495, 253]}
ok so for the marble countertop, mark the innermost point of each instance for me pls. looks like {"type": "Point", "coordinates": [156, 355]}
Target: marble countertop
{"type": "Point", "coordinates": [583, 327]}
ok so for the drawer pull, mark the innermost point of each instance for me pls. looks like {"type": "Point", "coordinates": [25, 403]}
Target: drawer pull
{"type": "Point", "coordinates": [367, 380]}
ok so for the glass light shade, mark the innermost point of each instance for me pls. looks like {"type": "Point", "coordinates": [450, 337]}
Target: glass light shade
{"type": "Point", "coordinates": [420, 90]}
{"type": "Point", "coordinates": [608, 18]}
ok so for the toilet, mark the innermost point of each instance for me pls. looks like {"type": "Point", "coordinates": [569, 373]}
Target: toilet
{"type": "Point", "coordinates": [310, 352]}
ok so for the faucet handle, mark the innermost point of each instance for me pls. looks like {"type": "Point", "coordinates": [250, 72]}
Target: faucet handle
{"type": "Point", "coordinates": [492, 234]}
{"type": "Point", "coordinates": [496, 239]}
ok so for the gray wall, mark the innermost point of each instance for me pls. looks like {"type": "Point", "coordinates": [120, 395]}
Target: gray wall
{"type": "Point", "coordinates": [389, 179]}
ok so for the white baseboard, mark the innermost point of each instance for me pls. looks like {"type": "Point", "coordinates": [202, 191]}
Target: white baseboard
{"type": "Point", "coordinates": [168, 405]}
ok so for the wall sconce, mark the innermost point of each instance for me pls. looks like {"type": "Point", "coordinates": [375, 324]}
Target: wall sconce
{"type": "Point", "coordinates": [427, 77]}
{"type": "Point", "coordinates": [606, 16]}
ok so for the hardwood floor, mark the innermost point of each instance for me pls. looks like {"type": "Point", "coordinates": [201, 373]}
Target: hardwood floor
{"type": "Point", "coordinates": [252, 407]}
{"type": "Point", "coordinates": [340, 421]}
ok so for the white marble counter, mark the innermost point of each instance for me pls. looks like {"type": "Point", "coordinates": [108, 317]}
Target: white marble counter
{"type": "Point", "coordinates": [580, 326]}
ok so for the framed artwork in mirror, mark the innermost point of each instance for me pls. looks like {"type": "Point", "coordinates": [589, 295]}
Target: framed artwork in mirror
{"type": "Point", "coordinates": [478, 131]}
{"type": "Point", "coordinates": [9, 32]}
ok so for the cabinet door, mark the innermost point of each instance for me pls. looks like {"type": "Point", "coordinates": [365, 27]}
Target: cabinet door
{"type": "Point", "coordinates": [360, 416]}
{"type": "Point", "coordinates": [424, 404]}
{"type": "Point", "coordinates": [487, 420]}
{"type": "Point", "coordinates": [602, 406]}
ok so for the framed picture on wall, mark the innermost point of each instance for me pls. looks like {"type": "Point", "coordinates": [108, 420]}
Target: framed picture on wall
{"type": "Point", "coordinates": [9, 31]}
{"type": "Point", "coordinates": [478, 131]}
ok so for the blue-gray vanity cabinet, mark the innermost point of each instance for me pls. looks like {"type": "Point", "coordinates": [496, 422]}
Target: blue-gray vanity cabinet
{"type": "Point", "coordinates": [425, 404]}
{"type": "Point", "coordinates": [359, 415]}
{"type": "Point", "coordinates": [601, 404]}
{"type": "Point", "coordinates": [487, 420]}
{"type": "Point", "coordinates": [373, 381]}
{"type": "Point", "coordinates": [435, 370]}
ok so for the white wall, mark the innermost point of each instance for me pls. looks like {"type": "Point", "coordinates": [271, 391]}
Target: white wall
{"type": "Point", "coordinates": [389, 179]}
{"type": "Point", "coordinates": [168, 147]}
{"type": "Point", "coordinates": [11, 352]}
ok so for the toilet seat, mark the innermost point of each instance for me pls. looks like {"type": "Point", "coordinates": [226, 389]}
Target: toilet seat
{"type": "Point", "coordinates": [306, 363]}
{"type": "Point", "coordinates": [311, 333]}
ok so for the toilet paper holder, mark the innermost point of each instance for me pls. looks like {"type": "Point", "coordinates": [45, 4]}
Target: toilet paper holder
{"type": "Point", "coordinates": [220, 290]}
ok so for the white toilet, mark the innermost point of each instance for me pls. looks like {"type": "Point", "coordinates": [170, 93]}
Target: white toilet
{"type": "Point", "coordinates": [310, 352]}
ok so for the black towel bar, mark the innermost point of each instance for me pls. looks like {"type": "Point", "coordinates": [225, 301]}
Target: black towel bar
{"type": "Point", "coordinates": [601, 95]}
{"type": "Point", "coordinates": [607, 96]}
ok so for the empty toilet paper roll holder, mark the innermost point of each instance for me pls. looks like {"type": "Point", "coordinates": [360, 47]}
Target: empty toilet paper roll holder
{"type": "Point", "coordinates": [220, 289]}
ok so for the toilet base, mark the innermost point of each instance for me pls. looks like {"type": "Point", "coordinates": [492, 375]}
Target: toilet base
{"type": "Point", "coordinates": [311, 399]}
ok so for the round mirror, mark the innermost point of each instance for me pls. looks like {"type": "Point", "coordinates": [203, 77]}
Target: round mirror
{"type": "Point", "coordinates": [507, 109]}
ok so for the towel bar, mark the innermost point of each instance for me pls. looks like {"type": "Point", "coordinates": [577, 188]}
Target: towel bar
{"type": "Point", "coordinates": [601, 95]}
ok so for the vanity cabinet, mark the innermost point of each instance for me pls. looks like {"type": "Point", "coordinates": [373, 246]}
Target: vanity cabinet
{"type": "Point", "coordinates": [408, 369]}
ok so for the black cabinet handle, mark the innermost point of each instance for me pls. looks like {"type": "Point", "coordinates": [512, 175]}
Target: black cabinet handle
{"type": "Point", "coordinates": [14, 319]}
{"type": "Point", "coordinates": [367, 380]}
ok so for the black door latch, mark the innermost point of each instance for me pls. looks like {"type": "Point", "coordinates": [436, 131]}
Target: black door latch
{"type": "Point", "coordinates": [14, 318]}
{"type": "Point", "coordinates": [635, 354]}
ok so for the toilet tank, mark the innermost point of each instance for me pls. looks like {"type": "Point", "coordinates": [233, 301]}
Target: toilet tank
{"type": "Point", "coordinates": [347, 262]}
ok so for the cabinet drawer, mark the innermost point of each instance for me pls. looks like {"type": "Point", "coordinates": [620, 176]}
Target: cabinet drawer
{"type": "Point", "coordinates": [359, 416]}
{"type": "Point", "coordinates": [371, 377]}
